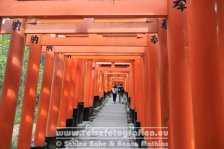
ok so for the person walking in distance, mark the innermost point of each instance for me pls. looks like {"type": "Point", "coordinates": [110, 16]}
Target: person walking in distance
{"type": "Point", "coordinates": [114, 91]}
{"type": "Point", "coordinates": [121, 93]}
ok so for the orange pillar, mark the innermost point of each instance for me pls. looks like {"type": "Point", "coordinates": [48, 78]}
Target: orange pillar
{"type": "Point", "coordinates": [81, 80]}
{"type": "Point", "coordinates": [154, 87]}
{"type": "Point", "coordinates": [101, 81]}
{"type": "Point", "coordinates": [132, 85]}
{"type": "Point", "coordinates": [88, 80]}
{"type": "Point", "coordinates": [74, 76]}
{"type": "Point", "coordinates": [55, 96]}
{"type": "Point", "coordinates": [40, 133]}
{"type": "Point", "coordinates": [139, 79]}
{"type": "Point", "coordinates": [65, 94]}
{"type": "Point", "coordinates": [77, 81]}
{"type": "Point", "coordinates": [181, 130]}
{"type": "Point", "coordinates": [97, 83]}
{"type": "Point", "coordinates": [93, 81]}
{"type": "Point", "coordinates": [146, 87]}
{"type": "Point", "coordinates": [11, 83]}
{"type": "Point", "coordinates": [127, 82]}
{"type": "Point", "coordinates": [30, 91]}
{"type": "Point", "coordinates": [71, 88]}
{"type": "Point", "coordinates": [106, 83]}
{"type": "Point", "coordinates": [71, 93]}
{"type": "Point", "coordinates": [206, 36]}
{"type": "Point", "coordinates": [163, 66]}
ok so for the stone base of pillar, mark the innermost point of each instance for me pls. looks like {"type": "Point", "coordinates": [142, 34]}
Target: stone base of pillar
{"type": "Point", "coordinates": [92, 114]}
{"type": "Point", "coordinates": [139, 137]}
{"type": "Point", "coordinates": [101, 101]}
{"type": "Point", "coordinates": [91, 111]}
{"type": "Point", "coordinates": [81, 111]}
{"type": "Point", "coordinates": [104, 95]}
{"type": "Point", "coordinates": [133, 116]}
{"type": "Point", "coordinates": [96, 101]}
{"type": "Point", "coordinates": [143, 143]}
{"type": "Point", "coordinates": [76, 116]}
{"type": "Point", "coordinates": [71, 123]}
{"type": "Point", "coordinates": [39, 147]}
{"type": "Point", "coordinates": [137, 126]}
{"type": "Point", "coordinates": [86, 114]}
{"type": "Point", "coordinates": [51, 142]}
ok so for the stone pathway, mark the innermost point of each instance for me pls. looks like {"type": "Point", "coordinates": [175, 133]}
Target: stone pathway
{"type": "Point", "coordinates": [110, 128]}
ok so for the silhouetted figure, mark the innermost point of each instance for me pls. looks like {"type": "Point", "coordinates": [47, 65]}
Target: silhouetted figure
{"type": "Point", "coordinates": [114, 92]}
{"type": "Point", "coordinates": [120, 92]}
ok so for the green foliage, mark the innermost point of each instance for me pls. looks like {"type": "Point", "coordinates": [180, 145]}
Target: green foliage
{"type": "Point", "coordinates": [4, 43]}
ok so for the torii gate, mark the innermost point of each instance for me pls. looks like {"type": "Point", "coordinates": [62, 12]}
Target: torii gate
{"type": "Point", "coordinates": [68, 47]}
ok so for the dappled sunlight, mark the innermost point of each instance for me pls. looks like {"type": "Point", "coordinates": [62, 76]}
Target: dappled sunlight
{"type": "Point", "coordinates": [52, 128]}
{"type": "Point", "coordinates": [35, 67]}
{"type": "Point", "coordinates": [66, 93]}
{"type": "Point", "coordinates": [55, 108]}
{"type": "Point", "coordinates": [16, 62]}
{"type": "Point", "coordinates": [28, 119]}
{"type": "Point", "coordinates": [41, 136]}
{"type": "Point", "coordinates": [43, 113]}
{"type": "Point", "coordinates": [11, 94]}
{"type": "Point", "coordinates": [46, 91]}
{"type": "Point", "coordinates": [32, 92]}
{"type": "Point", "coordinates": [59, 74]}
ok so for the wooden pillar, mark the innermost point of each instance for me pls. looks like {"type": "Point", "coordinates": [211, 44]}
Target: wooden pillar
{"type": "Point", "coordinates": [110, 85]}
{"type": "Point", "coordinates": [163, 72]}
{"type": "Point", "coordinates": [40, 133]}
{"type": "Point", "coordinates": [206, 36]}
{"type": "Point", "coordinates": [132, 91]}
{"type": "Point", "coordinates": [55, 96]}
{"type": "Point", "coordinates": [106, 83]}
{"type": "Point", "coordinates": [181, 130]}
{"type": "Point", "coordinates": [74, 76]}
{"type": "Point", "coordinates": [153, 87]}
{"type": "Point", "coordinates": [71, 89]}
{"type": "Point", "coordinates": [65, 94]}
{"type": "Point", "coordinates": [30, 91]}
{"type": "Point", "coordinates": [139, 79]}
{"type": "Point", "coordinates": [11, 83]}
{"type": "Point", "coordinates": [146, 87]}
{"type": "Point", "coordinates": [81, 80]}
{"type": "Point", "coordinates": [101, 81]}
{"type": "Point", "coordinates": [93, 81]}
{"type": "Point", "coordinates": [97, 83]}
{"type": "Point", "coordinates": [72, 103]}
{"type": "Point", "coordinates": [87, 88]}
{"type": "Point", "coordinates": [127, 82]}
{"type": "Point", "coordinates": [77, 81]}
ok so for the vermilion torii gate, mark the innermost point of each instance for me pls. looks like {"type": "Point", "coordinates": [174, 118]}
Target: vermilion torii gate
{"type": "Point", "coordinates": [176, 82]}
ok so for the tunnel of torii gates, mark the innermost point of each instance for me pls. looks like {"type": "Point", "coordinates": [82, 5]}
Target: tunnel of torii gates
{"type": "Point", "coordinates": [168, 54]}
